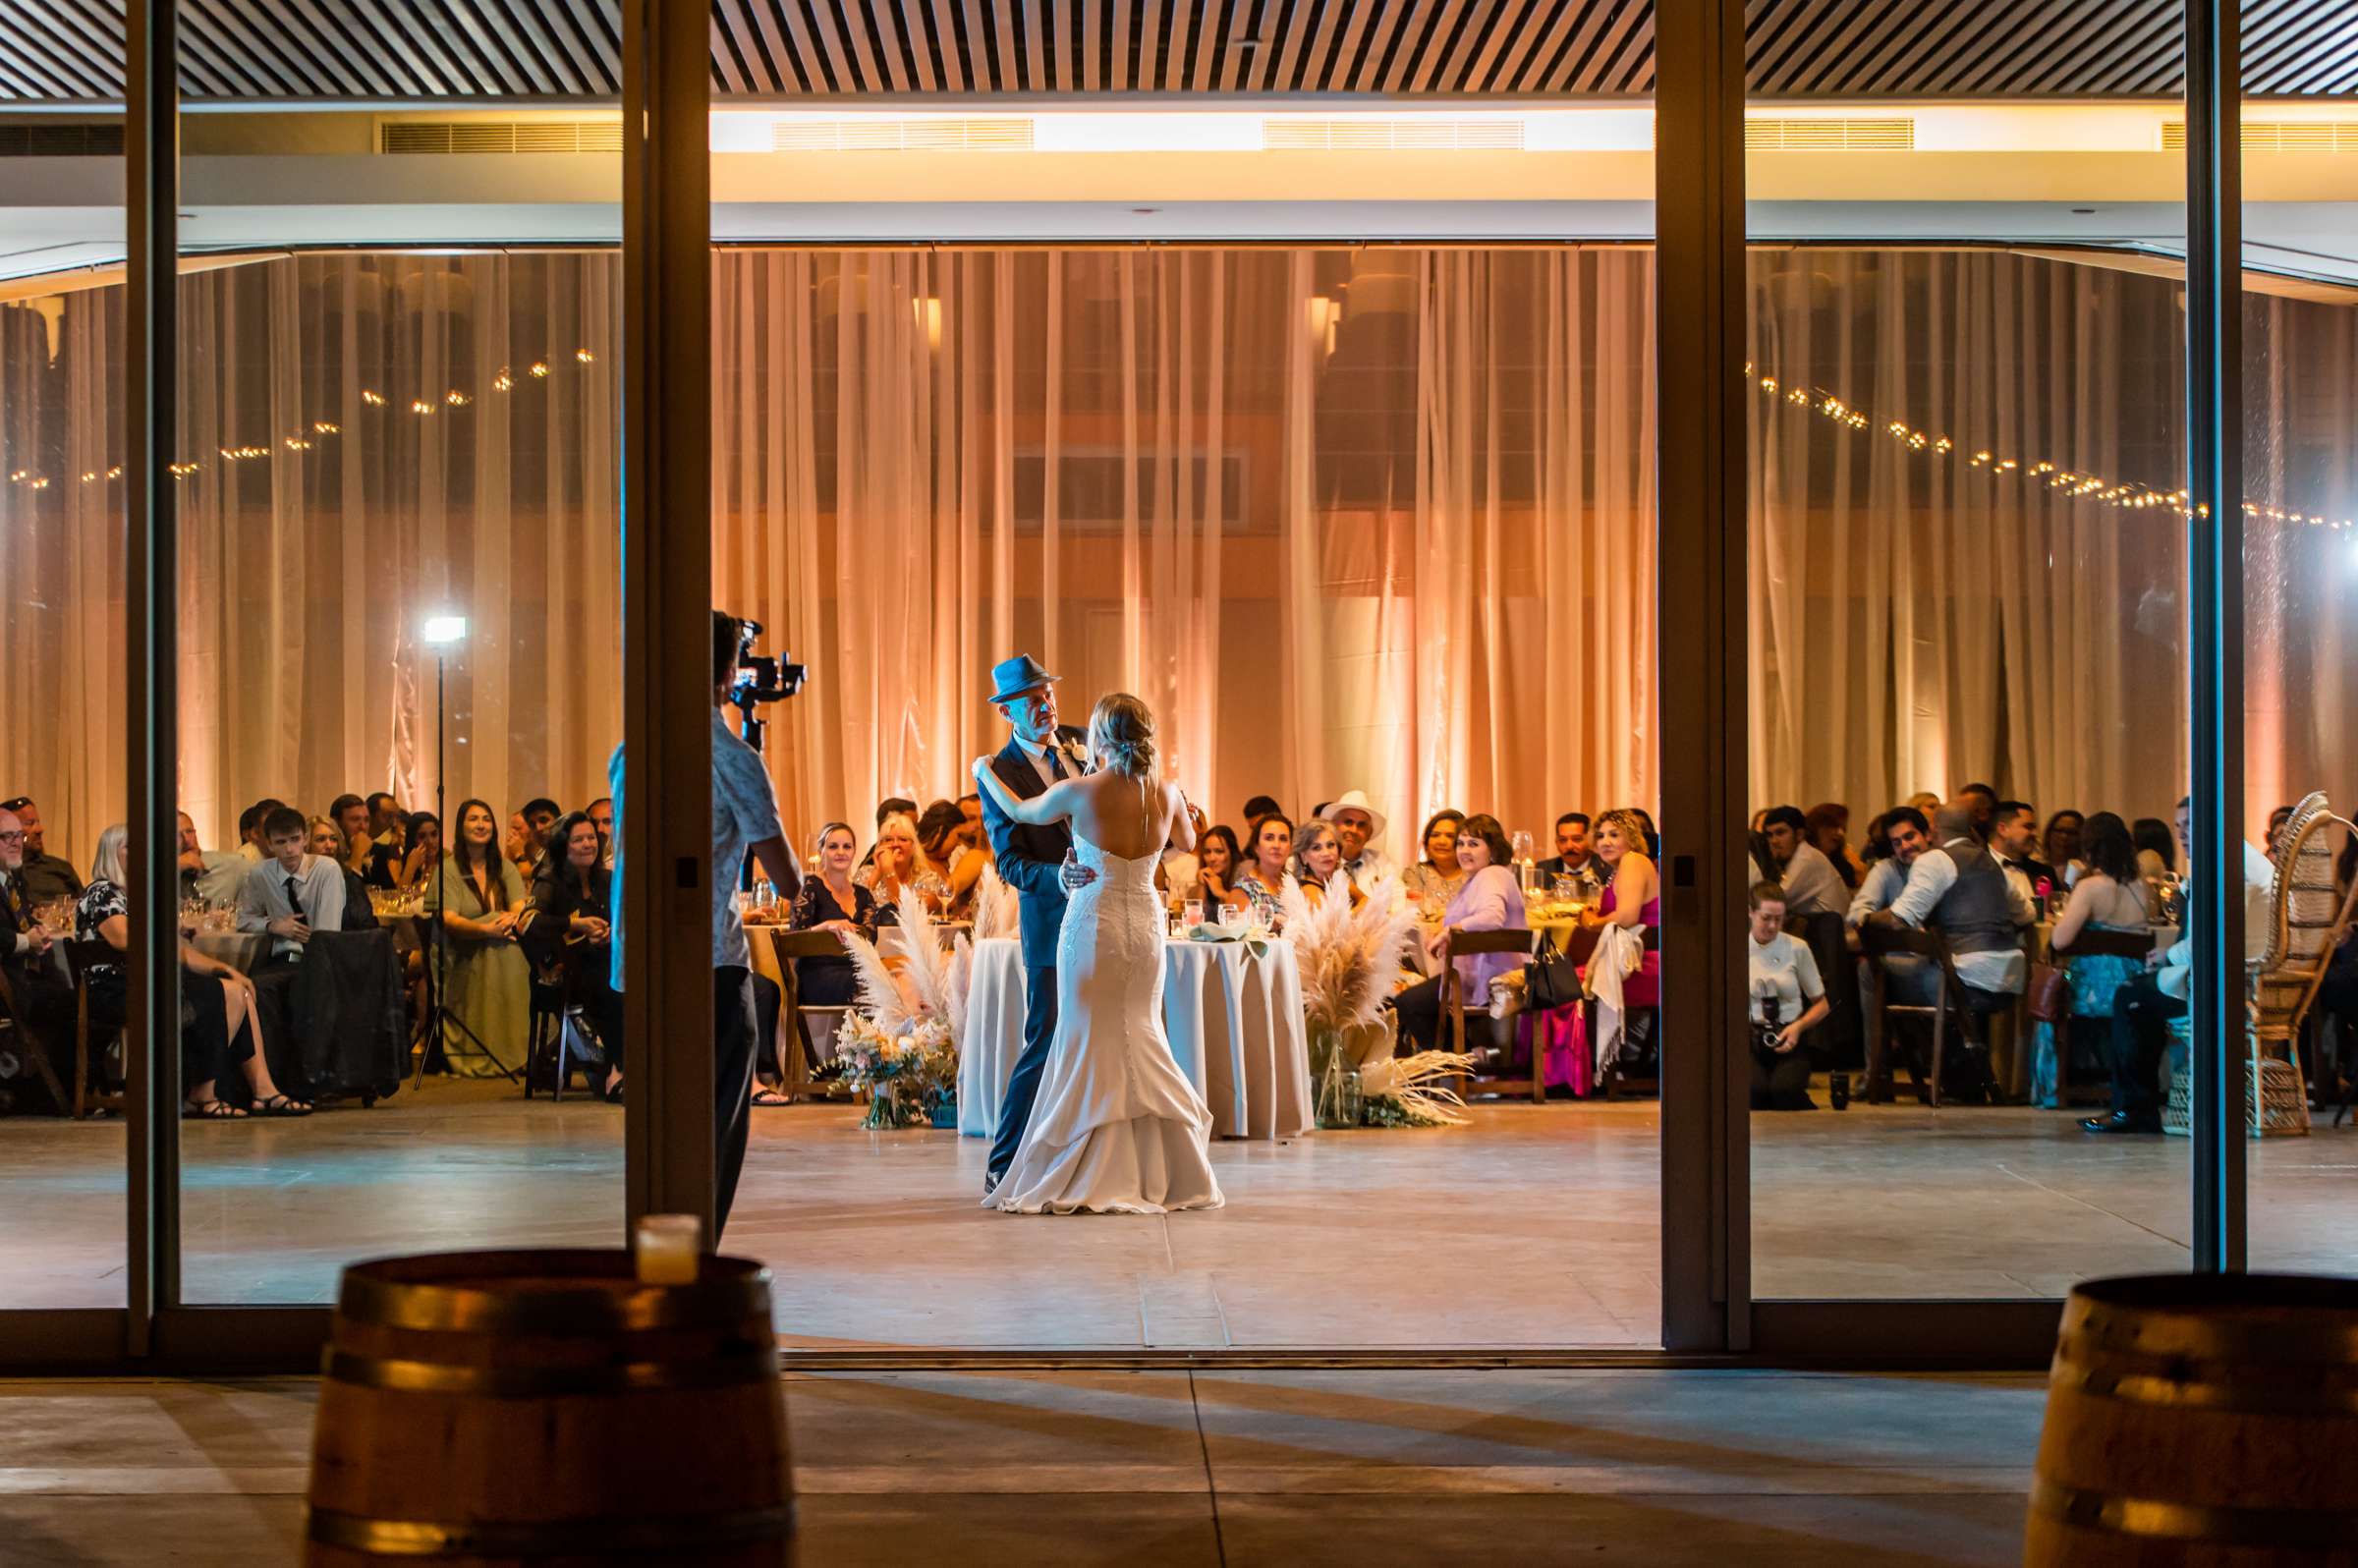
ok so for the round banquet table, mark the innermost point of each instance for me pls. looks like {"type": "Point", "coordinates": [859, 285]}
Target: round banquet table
{"type": "Point", "coordinates": [1234, 1022]}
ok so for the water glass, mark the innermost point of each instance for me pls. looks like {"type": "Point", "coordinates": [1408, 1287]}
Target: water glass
{"type": "Point", "coordinates": [1565, 888]}
{"type": "Point", "coordinates": [1231, 918]}
{"type": "Point", "coordinates": [1190, 913]}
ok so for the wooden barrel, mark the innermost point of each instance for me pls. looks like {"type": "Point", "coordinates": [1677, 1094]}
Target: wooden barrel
{"type": "Point", "coordinates": [545, 1407]}
{"type": "Point", "coordinates": [2202, 1420]}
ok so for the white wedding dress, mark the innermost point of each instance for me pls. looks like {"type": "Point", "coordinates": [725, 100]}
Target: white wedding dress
{"type": "Point", "coordinates": [1117, 1127]}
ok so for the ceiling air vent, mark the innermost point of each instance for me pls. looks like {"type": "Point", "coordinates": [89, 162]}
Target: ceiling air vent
{"type": "Point", "coordinates": [51, 141]}
{"type": "Point", "coordinates": [998, 134]}
{"type": "Point", "coordinates": [1769, 135]}
{"type": "Point", "coordinates": [447, 137]}
{"type": "Point", "coordinates": [1407, 135]}
{"type": "Point", "coordinates": [2278, 135]}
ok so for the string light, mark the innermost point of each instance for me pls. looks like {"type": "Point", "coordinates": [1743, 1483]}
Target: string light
{"type": "Point", "coordinates": [375, 400]}
{"type": "Point", "coordinates": [456, 397]}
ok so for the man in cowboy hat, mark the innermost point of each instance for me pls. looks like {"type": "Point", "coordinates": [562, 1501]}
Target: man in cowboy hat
{"type": "Point", "coordinates": [1033, 860]}
{"type": "Point", "coordinates": [1360, 828]}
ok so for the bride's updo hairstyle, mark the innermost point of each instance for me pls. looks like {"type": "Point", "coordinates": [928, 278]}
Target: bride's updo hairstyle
{"type": "Point", "coordinates": [1122, 732]}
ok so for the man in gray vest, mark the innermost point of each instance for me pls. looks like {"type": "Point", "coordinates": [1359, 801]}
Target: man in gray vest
{"type": "Point", "coordinates": [1959, 891]}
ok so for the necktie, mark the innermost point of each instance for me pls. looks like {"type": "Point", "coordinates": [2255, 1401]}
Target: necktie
{"type": "Point", "coordinates": [294, 899]}
{"type": "Point", "coordinates": [1056, 763]}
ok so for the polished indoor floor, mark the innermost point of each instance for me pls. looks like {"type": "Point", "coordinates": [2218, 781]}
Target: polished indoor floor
{"type": "Point", "coordinates": [1536, 1226]}
{"type": "Point", "coordinates": [1666, 1469]}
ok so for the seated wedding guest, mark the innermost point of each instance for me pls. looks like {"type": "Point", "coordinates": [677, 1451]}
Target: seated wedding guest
{"type": "Point", "coordinates": [1905, 835]}
{"type": "Point", "coordinates": [1176, 872]}
{"type": "Point", "coordinates": [891, 865]}
{"type": "Point", "coordinates": [1573, 857]}
{"type": "Point", "coordinates": [1258, 807]}
{"type": "Point", "coordinates": [971, 807]}
{"type": "Point", "coordinates": [1269, 845]}
{"type": "Point", "coordinates": [1218, 863]}
{"type": "Point", "coordinates": [945, 853]}
{"type": "Point", "coordinates": [1981, 800]}
{"type": "Point", "coordinates": [209, 876]}
{"type": "Point", "coordinates": [1925, 802]}
{"type": "Point", "coordinates": [36, 980]}
{"type": "Point", "coordinates": [253, 843]}
{"type": "Point", "coordinates": [385, 820]}
{"type": "Point", "coordinates": [539, 817]}
{"type": "Point", "coordinates": [832, 900]}
{"type": "Point", "coordinates": [602, 817]}
{"type": "Point", "coordinates": [886, 810]}
{"type": "Point", "coordinates": [1632, 901]}
{"type": "Point", "coordinates": [1319, 864]}
{"type": "Point", "coordinates": [2156, 854]}
{"type": "Point", "coordinates": [1434, 881]}
{"type": "Point", "coordinates": [325, 839]}
{"type": "Point", "coordinates": [292, 894]}
{"type": "Point", "coordinates": [1811, 884]}
{"type": "Point", "coordinates": [45, 875]}
{"type": "Point", "coordinates": [2143, 1007]}
{"type": "Point", "coordinates": [2109, 896]}
{"type": "Point", "coordinates": [2276, 824]}
{"type": "Point", "coordinates": [1491, 899]}
{"type": "Point", "coordinates": [1360, 828]}
{"type": "Point", "coordinates": [1789, 1000]}
{"type": "Point", "coordinates": [573, 927]}
{"type": "Point", "coordinates": [2013, 835]}
{"type": "Point", "coordinates": [363, 856]}
{"type": "Point", "coordinates": [421, 859]}
{"type": "Point", "coordinates": [1956, 888]}
{"type": "Point", "coordinates": [486, 984]}
{"type": "Point", "coordinates": [221, 1021]}
{"type": "Point", "coordinates": [1875, 846]}
{"type": "Point", "coordinates": [1829, 832]}
{"type": "Point", "coordinates": [2059, 844]}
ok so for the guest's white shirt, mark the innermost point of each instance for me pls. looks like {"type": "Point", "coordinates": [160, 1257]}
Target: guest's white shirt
{"type": "Point", "coordinates": [2008, 968]}
{"type": "Point", "coordinates": [1074, 768]}
{"type": "Point", "coordinates": [1372, 865]}
{"type": "Point", "coordinates": [320, 884]}
{"type": "Point", "coordinates": [1886, 880]}
{"type": "Point", "coordinates": [2175, 977]}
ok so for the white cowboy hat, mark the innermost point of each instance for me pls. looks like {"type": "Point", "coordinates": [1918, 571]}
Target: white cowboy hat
{"type": "Point", "coordinates": [1354, 800]}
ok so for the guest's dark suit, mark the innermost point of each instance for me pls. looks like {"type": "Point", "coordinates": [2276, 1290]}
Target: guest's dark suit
{"type": "Point", "coordinates": [1030, 861]}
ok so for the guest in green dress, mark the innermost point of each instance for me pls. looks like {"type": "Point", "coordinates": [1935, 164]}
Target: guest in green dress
{"type": "Point", "coordinates": [486, 983]}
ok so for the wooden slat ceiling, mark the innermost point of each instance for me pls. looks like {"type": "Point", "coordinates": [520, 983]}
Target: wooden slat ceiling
{"type": "Point", "coordinates": [64, 50]}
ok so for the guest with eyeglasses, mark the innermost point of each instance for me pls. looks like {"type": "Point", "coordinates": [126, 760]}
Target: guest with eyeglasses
{"type": "Point", "coordinates": [46, 875]}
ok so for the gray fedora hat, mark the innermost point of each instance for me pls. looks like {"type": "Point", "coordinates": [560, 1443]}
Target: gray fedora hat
{"type": "Point", "coordinates": [1012, 678]}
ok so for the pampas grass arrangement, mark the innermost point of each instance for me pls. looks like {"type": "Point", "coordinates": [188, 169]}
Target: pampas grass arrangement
{"type": "Point", "coordinates": [1349, 958]}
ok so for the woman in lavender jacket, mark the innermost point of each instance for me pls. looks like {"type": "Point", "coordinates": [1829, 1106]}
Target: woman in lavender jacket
{"type": "Point", "coordinates": [1491, 899]}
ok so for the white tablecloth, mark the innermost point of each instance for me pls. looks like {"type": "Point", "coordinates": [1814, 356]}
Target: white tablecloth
{"type": "Point", "coordinates": [1234, 1021]}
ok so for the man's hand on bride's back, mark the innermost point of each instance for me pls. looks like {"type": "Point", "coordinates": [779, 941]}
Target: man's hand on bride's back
{"type": "Point", "coordinates": [1076, 876]}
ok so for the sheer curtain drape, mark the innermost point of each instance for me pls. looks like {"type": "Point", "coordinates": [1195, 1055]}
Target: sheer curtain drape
{"type": "Point", "coordinates": [1378, 518]}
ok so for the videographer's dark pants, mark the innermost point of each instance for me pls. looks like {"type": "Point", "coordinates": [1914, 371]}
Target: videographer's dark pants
{"type": "Point", "coordinates": [2141, 1015]}
{"type": "Point", "coordinates": [1780, 1080]}
{"type": "Point", "coordinates": [1023, 1083]}
{"type": "Point", "coordinates": [732, 1084]}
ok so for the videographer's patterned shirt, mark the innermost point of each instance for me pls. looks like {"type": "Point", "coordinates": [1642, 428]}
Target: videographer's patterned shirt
{"type": "Point", "coordinates": [745, 812]}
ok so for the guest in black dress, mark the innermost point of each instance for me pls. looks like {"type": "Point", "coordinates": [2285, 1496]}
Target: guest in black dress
{"type": "Point", "coordinates": [831, 901]}
{"type": "Point", "coordinates": [573, 927]}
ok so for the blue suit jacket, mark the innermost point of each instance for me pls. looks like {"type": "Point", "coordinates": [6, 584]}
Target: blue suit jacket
{"type": "Point", "coordinates": [1030, 859]}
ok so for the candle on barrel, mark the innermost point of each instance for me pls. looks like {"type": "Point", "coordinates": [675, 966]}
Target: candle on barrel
{"type": "Point", "coordinates": [668, 1248]}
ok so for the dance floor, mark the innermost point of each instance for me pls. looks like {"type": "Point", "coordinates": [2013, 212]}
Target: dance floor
{"type": "Point", "coordinates": [1536, 1226]}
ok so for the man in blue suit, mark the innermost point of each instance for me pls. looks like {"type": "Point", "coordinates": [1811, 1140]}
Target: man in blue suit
{"type": "Point", "coordinates": [1033, 860]}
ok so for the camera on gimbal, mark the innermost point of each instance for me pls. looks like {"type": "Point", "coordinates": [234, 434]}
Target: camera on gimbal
{"type": "Point", "coordinates": [760, 678]}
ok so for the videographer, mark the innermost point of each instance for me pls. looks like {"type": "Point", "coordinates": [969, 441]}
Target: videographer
{"type": "Point", "coordinates": [1789, 1000]}
{"type": "Point", "coordinates": [745, 820]}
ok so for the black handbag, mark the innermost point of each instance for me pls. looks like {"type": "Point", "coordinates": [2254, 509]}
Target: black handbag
{"type": "Point", "coordinates": [1551, 979]}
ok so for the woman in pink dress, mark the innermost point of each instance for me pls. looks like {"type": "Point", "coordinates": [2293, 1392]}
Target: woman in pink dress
{"type": "Point", "coordinates": [1634, 900]}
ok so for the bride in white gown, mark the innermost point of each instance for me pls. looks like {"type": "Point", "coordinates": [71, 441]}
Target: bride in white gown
{"type": "Point", "coordinates": [1117, 1127]}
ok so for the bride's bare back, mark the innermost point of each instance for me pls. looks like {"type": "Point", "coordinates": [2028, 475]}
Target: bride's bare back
{"type": "Point", "coordinates": [1122, 815]}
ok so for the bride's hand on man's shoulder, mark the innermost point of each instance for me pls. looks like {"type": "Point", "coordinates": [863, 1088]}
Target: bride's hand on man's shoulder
{"type": "Point", "coordinates": [981, 765]}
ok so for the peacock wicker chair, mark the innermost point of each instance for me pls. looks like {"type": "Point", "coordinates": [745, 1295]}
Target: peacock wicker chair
{"type": "Point", "coordinates": [2308, 917]}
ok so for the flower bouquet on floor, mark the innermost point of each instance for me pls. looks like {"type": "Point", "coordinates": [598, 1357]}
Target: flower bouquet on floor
{"type": "Point", "coordinates": [1348, 958]}
{"type": "Point", "coordinates": [899, 1047]}
{"type": "Point", "coordinates": [905, 1078]}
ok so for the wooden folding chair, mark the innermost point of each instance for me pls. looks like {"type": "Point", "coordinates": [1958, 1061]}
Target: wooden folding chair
{"type": "Point", "coordinates": [1465, 945]}
{"type": "Point", "coordinates": [2094, 942]}
{"type": "Point", "coordinates": [1885, 941]}
{"type": "Point", "coordinates": [81, 959]}
{"type": "Point", "coordinates": [790, 945]}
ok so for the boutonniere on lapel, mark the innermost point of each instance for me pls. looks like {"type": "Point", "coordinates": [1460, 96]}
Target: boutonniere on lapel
{"type": "Point", "coordinates": [1073, 753]}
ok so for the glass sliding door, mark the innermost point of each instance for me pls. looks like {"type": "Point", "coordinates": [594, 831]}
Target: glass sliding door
{"type": "Point", "coordinates": [1968, 672]}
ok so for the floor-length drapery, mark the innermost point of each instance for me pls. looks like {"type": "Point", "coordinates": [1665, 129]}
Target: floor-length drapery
{"type": "Point", "coordinates": [1376, 518]}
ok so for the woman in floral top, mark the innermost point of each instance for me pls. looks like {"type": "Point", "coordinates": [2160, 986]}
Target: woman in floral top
{"type": "Point", "coordinates": [220, 1024]}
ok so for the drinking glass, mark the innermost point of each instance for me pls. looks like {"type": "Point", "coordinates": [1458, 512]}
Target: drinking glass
{"type": "Point", "coordinates": [1565, 888]}
{"type": "Point", "coordinates": [1190, 913]}
{"type": "Point", "coordinates": [1231, 918]}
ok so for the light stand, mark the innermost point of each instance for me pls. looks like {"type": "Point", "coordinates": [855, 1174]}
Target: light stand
{"type": "Point", "coordinates": [439, 633]}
